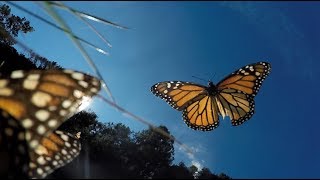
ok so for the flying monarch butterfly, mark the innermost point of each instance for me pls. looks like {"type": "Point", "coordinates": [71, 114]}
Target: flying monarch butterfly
{"type": "Point", "coordinates": [58, 149]}
{"type": "Point", "coordinates": [40, 101]}
{"type": "Point", "coordinates": [54, 151]}
{"type": "Point", "coordinates": [201, 105]}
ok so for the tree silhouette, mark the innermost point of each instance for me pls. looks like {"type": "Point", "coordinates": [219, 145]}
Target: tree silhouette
{"type": "Point", "coordinates": [11, 25]}
{"type": "Point", "coordinates": [114, 151]}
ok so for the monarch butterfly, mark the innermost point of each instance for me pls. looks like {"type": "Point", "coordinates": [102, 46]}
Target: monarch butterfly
{"type": "Point", "coordinates": [40, 101]}
{"type": "Point", "coordinates": [54, 151]}
{"type": "Point", "coordinates": [233, 96]}
{"type": "Point", "coordinates": [58, 149]}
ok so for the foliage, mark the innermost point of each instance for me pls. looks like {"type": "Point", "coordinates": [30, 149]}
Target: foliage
{"type": "Point", "coordinates": [12, 25]}
{"type": "Point", "coordinates": [114, 151]}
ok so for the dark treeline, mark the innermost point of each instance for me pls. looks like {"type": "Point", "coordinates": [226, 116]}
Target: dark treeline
{"type": "Point", "coordinates": [108, 150]}
{"type": "Point", "coordinates": [114, 151]}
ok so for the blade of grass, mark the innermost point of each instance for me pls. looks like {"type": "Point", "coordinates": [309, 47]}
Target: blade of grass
{"type": "Point", "coordinates": [86, 22]}
{"type": "Point", "coordinates": [124, 111]}
{"type": "Point", "coordinates": [89, 16]}
{"type": "Point", "coordinates": [59, 20]}
{"type": "Point", "coordinates": [57, 27]}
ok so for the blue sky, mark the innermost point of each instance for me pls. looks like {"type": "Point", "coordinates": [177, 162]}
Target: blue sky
{"type": "Point", "coordinates": [178, 40]}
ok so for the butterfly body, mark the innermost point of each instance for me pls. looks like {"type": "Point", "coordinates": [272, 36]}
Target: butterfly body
{"type": "Point", "coordinates": [233, 96]}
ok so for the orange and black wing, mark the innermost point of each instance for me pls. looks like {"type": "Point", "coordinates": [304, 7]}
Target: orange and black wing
{"type": "Point", "coordinates": [178, 94]}
{"type": "Point", "coordinates": [54, 151]}
{"type": "Point", "coordinates": [202, 114]}
{"type": "Point", "coordinates": [199, 109]}
{"type": "Point", "coordinates": [41, 100]}
{"type": "Point", "coordinates": [236, 92]}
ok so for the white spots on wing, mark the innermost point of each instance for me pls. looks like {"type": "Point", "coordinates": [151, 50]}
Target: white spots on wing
{"type": "Point", "coordinates": [165, 91]}
{"type": "Point", "coordinates": [41, 160]}
{"type": "Point", "coordinates": [34, 143]}
{"type": "Point", "coordinates": [41, 129]}
{"type": "Point", "coordinates": [83, 84]}
{"type": "Point", "coordinates": [42, 115]}
{"type": "Point", "coordinates": [54, 163]}
{"type": "Point", "coordinates": [94, 90]}
{"type": "Point", "coordinates": [33, 76]}
{"type": "Point", "coordinates": [77, 93]}
{"type": "Point", "coordinates": [257, 73]}
{"type": "Point", "coordinates": [168, 85]}
{"type": "Point", "coordinates": [63, 112]}
{"type": "Point", "coordinates": [64, 137]}
{"type": "Point", "coordinates": [39, 171]}
{"type": "Point", "coordinates": [52, 108]}
{"type": "Point", "coordinates": [27, 123]}
{"type": "Point", "coordinates": [3, 83]}
{"type": "Point", "coordinates": [6, 92]}
{"type": "Point", "coordinates": [52, 123]}
{"type": "Point", "coordinates": [47, 168]}
{"type": "Point", "coordinates": [67, 144]}
{"type": "Point", "coordinates": [64, 152]}
{"type": "Point", "coordinates": [66, 103]}
{"type": "Point", "coordinates": [95, 82]}
{"type": "Point", "coordinates": [77, 76]}
{"type": "Point", "coordinates": [17, 74]}
{"type": "Point", "coordinates": [28, 136]}
{"type": "Point", "coordinates": [68, 71]}
{"type": "Point", "coordinates": [40, 99]}
{"type": "Point", "coordinates": [30, 84]}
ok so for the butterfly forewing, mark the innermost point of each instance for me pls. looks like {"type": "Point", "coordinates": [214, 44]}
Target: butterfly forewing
{"type": "Point", "coordinates": [177, 93]}
{"type": "Point", "coordinates": [43, 100]}
{"type": "Point", "coordinates": [247, 79]}
{"type": "Point", "coordinates": [55, 151]}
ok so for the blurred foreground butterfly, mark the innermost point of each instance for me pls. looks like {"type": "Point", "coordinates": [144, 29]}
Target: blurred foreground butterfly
{"type": "Point", "coordinates": [40, 101]}
{"type": "Point", "coordinates": [201, 105]}
{"type": "Point", "coordinates": [54, 151]}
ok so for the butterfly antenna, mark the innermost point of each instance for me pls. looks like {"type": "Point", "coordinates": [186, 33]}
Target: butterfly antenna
{"type": "Point", "coordinates": [199, 78]}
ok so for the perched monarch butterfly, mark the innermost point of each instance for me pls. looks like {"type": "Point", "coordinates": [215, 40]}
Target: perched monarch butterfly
{"type": "Point", "coordinates": [54, 151]}
{"type": "Point", "coordinates": [233, 96]}
{"type": "Point", "coordinates": [40, 101]}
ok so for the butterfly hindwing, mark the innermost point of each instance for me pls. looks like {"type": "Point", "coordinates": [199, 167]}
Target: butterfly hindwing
{"type": "Point", "coordinates": [178, 94]}
{"type": "Point", "coordinates": [43, 100]}
{"type": "Point", "coordinates": [237, 105]}
{"type": "Point", "coordinates": [54, 151]}
{"type": "Point", "coordinates": [14, 158]}
{"type": "Point", "coordinates": [202, 114]}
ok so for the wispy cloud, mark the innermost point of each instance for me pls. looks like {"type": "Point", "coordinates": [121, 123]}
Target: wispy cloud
{"type": "Point", "coordinates": [193, 157]}
{"type": "Point", "coordinates": [285, 36]}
